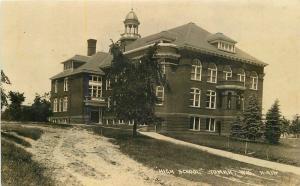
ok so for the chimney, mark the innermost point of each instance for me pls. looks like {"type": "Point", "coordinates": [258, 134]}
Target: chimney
{"type": "Point", "coordinates": [91, 47]}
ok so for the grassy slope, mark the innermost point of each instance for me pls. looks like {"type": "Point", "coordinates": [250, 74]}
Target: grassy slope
{"type": "Point", "coordinates": [33, 133]}
{"type": "Point", "coordinates": [163, 155]}
{"type": "Point", "coordinates": [17, 167]}
{"type": "Point", "coordinates": [286, 152]}
{"type": "Point", "coordinates": [15, 139]}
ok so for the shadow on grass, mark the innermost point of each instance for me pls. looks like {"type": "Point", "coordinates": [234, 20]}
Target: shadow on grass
{"type": "Point", "coordinates": [29, 132]}
{"type": "Point", "coordinates": [15, 139]}
{"type": "Point", "coordinates": [17, 167]}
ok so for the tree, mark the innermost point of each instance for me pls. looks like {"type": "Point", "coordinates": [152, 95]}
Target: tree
{"type": "Point", "coordinates": [273, 124]}
{"type": "Point", "coordinates": [5, 80]}
{"type": "Point", "coordinates": [252, 119]}
{"type": "Point", "coordinates": [14, 109]}
{"type": "Point", "coordinates": [237, 128]}
{"type": "Point", "coordinates": [41, 108]}
{"type": "Point", "coordinates": [285, 126]}
{"type": "Point", "coordinates": [295, 126]}
{"type": "Point", "coordinates": [133, 86]}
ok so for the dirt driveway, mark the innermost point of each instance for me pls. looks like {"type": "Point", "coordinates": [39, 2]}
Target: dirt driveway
{"type": "Point", "coordinates": [75, 156]}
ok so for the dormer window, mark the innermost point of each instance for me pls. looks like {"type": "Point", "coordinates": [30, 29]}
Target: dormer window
{"type": "Point", "coordinates": [226, 47]}
{"type": "Point", "coordinates": [68, 65]}
{"type": "Point", "coordinates": [222, 42]}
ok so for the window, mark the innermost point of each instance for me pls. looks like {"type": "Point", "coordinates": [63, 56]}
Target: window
{"type": "Point", "coordinates": [66, 84]}
{"type": "Point", "coordinates": [60, 106]}
{"type": "Point", "coordinates": [159, 95]}
{"type": "Point", "coordinates": [55, 86]}
{"type": "Point", "coordinates": [210, 124]}
{"type": "Point", "coordinates": [65, 104]}
{"type": "Point", "coordinates": [108, 102]}
{"type": "Point", "coordinates": [211, 99]}
{"type": "Point", "coordinates": [121, 121]}
{"type": "Point", "coordinates": [227, 73]}
{"type": "Point", "coordinates": [226, 47]}
{"type": "Point", "coordinates": [55, 105]}
{"type": "Point", "coordinates": [107, 83]}
{"type": "Point", "coordinates": [241, 76]}
{"type": "Point", "coordinates": [131, 122]}
{"type": "Point", "coordinates": [254, 81]}
{"type": "Point", "coordinates": [68, 65]}
{"type": "Point", "coordinates": [195, 99]}
{"type": "Point", "coordinates": [212, 74]}
{"type": "Point", "coordinates": [195, 123]}
{"type": "Point", "coordinates": [229, 96]}
{"type": "Point", "coordinates": [196, 70]}
{"type": "Point", "coordinates": [95, 86]}
{"type": "Point", "coordinates": [240, 102]}
{"type": "Point", "coordinates": [163, 69]}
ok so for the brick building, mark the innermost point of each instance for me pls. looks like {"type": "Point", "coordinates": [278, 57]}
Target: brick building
{"type": "Point", "coordinates": [210, 79]}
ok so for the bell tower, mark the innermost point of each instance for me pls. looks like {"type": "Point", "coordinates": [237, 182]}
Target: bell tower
{"type": "Point", "coordinates": [131, 32]}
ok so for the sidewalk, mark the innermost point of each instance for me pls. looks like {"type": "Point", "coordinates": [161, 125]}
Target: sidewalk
{"type": "Point", "coordinates": [246, 159]}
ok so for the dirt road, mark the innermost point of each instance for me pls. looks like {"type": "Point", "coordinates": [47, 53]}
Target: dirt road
{"type": "Point", "coordinates": [75, 156]}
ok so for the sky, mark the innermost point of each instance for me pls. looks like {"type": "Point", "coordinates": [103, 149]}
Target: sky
{"type": "Point", "coordinates": [36, 36]}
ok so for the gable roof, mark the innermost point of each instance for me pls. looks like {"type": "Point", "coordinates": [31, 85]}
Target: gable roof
{"type": "Point", "coordinates": [194, 37]}
{"type": "Point", "coordinates": [92, 65]}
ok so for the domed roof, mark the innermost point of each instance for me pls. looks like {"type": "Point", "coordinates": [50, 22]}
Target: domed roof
{"type": "Point", "coordinates": [131, 16]}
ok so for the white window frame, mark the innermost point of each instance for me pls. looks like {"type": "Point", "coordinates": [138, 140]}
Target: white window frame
{"type": "Point", "coordinates": [210, 124]}
{"type": "Point", "coordinates": [212, 75]}
{"type": "Point", "coordinates": [242, 77]}
{"type": "Point", "coordinates": [107, 84]}
{"type": "Point", "coordinates": [254, 82]}
{"type": "Point", "coordinates": [196, 72]}
{"type": "Point", "coordinates": [196, 97]}
{"type": "Point", "coordinates": [55, 105]}
{"type": "Point", "coordinates": [160, 89]}
{"type": "Point", "coordinates": [131, 122]}
{"type": "Point", "coordinates": [55, 86]}
{"type": "Point", "coordinates": [65, 104]}
{"type": "Point", "coordinates": [66, 84]}
{"type": "Point", "coordinates": [121, 121]}
{"type": "Point", "coordinates": [228, 74]}
{"type": "Point", "coordinates": [95, 82]}
{"type": "Point", "coordinates": [212, 95]}
{"type": "Point", "coordinates": [194, 123]}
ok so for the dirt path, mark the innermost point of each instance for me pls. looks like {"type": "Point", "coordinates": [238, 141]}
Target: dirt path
{"type": "Point", "coordinates": [77, 157]}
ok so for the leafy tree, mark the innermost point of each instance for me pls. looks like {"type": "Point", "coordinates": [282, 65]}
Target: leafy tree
{"type": "Point", "coordinates": [14, 109]}
{"type": "Point", "coordinates": [41, 108]}
{"type": "Point", "coordinates": [237, 128]}
{"type": "Point", "coordinates": [285, 126]}
{"type": "Point", "coordinates": [273, 124]}
{"type": "Point", "coordinates": [133, 86]}
{"type": "Point", "coordinates": [252, 119]}
{"type": "Point", "coordinates": [5, 80]}
{"type": "Point", "coordinates": [295, 126]}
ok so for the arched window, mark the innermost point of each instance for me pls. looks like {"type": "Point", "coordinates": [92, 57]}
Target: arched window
{"type": "Point", "coordinates": [227, 72]}
{"type": "Point", "coordinates": [254, 80]}
{"type": "Point", "coordinates": [212, 73]}
{"type": "Point", "coordinates": [196, 70]}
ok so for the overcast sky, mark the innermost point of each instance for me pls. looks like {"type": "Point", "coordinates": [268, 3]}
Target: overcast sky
{"type": "Point", "coordinates": [36, 36]}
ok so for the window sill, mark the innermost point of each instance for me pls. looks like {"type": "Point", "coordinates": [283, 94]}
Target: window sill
{"type": "Point", "coordinates": [212, 82]}
{"type": "Point", "coordinates": [210, 108]}
{"type": "Point", "coordinates": [195, 80]}
{"type": "Point", "coordinates": [194, 130]}
{"type": "Point", "coordinates": [159, 104]}
{"type": "Point", "coordinates": [194, 106]}
{"type": "Point", "coordinates": [253, 89]}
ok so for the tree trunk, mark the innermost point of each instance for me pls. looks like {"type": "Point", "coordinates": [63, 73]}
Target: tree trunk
{"type": "Point", "coordinates": [134, 132]}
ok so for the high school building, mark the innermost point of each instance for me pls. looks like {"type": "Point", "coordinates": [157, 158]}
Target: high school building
{"type": "Point", "coordinates": [210, 79]}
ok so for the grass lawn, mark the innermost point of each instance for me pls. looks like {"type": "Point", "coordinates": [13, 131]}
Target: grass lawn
{"type": "Point", "coordinates": [286, 152]}
{"type": "Point", "coordinates": [15, 139]}
{"type": "Point", "coordinates": [161, 155]}
{"type": "Point", "coordinates": [17, 167]}
{"type": "Point", "coordinates": [29, 132]}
